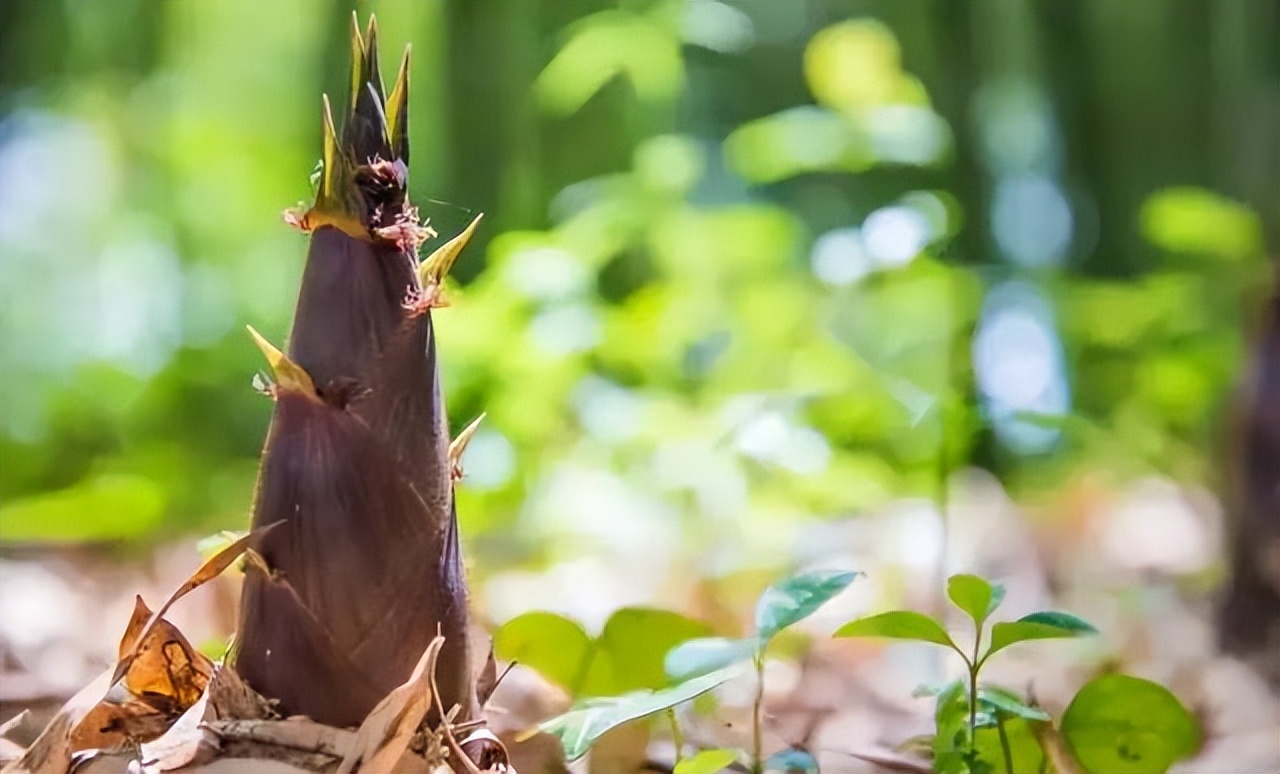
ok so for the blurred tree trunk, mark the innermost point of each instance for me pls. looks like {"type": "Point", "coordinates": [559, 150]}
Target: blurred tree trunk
{"type": "Point", "coordinates": [1249, 622]}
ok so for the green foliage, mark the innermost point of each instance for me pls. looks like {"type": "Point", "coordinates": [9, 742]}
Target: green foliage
{"type": "Point", "coordinates": [1037, 626]}
{"type": "Point", "coordinates": [553, 645]}
{"type": "Point", "coordinates": [706, 761]}
{"type": "Point", "coordinates": [783, 604]}
{"type": "Point", "coordinates": [900, 625]}
{"type": "Point", "coordinates": [708, 654]}
{"type": "Point", "coordinates": [997, 727]}
{"type": "Point", "coordinates": [1119, 724]}
{"type": "Point", "coordinates": [109, 507]}
{"type": "Point", "coordinates": [979, 729]}
{"type": "Point", "coordinates": [1193, 220]}
{"type": "Point", "coordinates": [1115, 723]}
{"type": "Point", "coordinates": [627, 656]}
{"type": "Point", "coordinates": [794, 599]}
{"type": "Point", "coordinates": [590, 719]}
{"type": "Point", "coordinates": [975, 596]}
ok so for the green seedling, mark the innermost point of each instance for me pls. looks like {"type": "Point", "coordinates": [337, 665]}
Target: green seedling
{"type": "Point", "coordinates": [1115, 725]}
{"type": "Point", "coordinates": [622, 675]}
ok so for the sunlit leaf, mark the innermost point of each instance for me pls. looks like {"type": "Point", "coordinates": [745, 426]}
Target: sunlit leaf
{"type": "Point", "coordinates": [579, 728]}
{"type": "Point", "coordinates": [707, 654]}
{"type": "Point", "coordinates": [1037, 626]}
{"type": "Point", "coordinates": [634, 643]}
{"type": "Point", "coordinates": [974, 595]}
{"type": "Point", "coordinates": [1118, 724]}
{"type": "Point", "coordinates": [1187, 219]}
{"type": "Point", "coordinates": [706, 761]}
{"type": "Point", "coordinates": [554, 646]}
{"type": "Point", "coordinates": [898, 625]}
{"type": "Point", "coordinates": [796, 598]}
{"type": "Point", "coordinates": [108, 507]}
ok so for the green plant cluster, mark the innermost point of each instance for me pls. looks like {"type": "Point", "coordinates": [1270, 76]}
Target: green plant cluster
{"type": "Point", "coordinates": [646, 662]}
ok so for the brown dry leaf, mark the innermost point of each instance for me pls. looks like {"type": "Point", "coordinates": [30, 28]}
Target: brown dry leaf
{"type": "Point", "coordinates": [166, 671]}
{"type": "Point", "coordinates": [212, 568]}
{"type": "Point", "coordinates": [384, 736]}
{"type": "Point", "coordinates": [113, 727]}
{"type": "Point", "coordinates": [190, 740]}
{"type": "Point", "coordinates": [51, 752]}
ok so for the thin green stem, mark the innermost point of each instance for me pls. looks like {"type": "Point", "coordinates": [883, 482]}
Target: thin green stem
{"type": "Point", "coordinates": [973, 709]}
{"type": "Point", "coordinates": [757, 736]}
{"type": "Point", "coordinates": [677, 738]}
{"type": "Point", "coordinates": [974, 666]}
{"type": "Point", "coordinates": [1004, 745]}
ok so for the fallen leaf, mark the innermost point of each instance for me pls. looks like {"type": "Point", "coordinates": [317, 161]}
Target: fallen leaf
{"type": "Point", "coordinates": [116, 726]}
{"type": "Point", "coordinates": [51, 752]}
{"type": "Point", "coordinates": [212, 568]}
{"type": "Point", "coordinates": [385, 734]}
{"type": "Point", "coordinates": [190, 740]}
{"type": "Point", "coordinates": [166, 671]}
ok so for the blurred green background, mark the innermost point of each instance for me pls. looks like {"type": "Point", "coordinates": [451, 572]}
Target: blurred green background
{"type": "Point", "coordinates": [747, 265]}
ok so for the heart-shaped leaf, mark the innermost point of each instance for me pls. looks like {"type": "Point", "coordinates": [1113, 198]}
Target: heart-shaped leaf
{"type": "Point", "coordinates": [1037, 626]}
{"type": "Point", "coordinates": [707, 654]}
{"type": "Point", "coordinates": [627, 656]}
{"type": "Point", "coordinates": [796, 598]}
{"type": "Point", "coordinates": [580, 727]}
{"type": "Point", "coordinates": [629, 653]}
{"type": "Point", "coordinates": [1118, 724]}
{"type": "Point", "coordinates": [975, 595]}
{"type": "Point", "coordinates": [706, 761]}
{"type": "Point", "coordinates": [551, 644]}
{"type": "Point", "coordinates": [899, 625]}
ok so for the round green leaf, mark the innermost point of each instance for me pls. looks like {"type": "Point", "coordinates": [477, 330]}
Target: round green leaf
{"type": "Point", "coordinates": [796, 598]}
{"type": "Point", "coordinates": [629, 652]}
{"type": "Point", "coordinates": [551, 644]}
{"type": "Point", "coordinates": [707, 761]}
{"type": "Point", "coordinates": [1037, 626]}
{"type": "Point", "coordinates": [1119, 724]}
{"type": "Point", "coordinates": [976, 596]}
{"type": "Point", "coordinates": [899, 625]}
{"type": "Point", "coordinates": [707, 654]}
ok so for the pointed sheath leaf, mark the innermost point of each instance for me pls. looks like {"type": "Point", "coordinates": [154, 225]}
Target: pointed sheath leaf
{"type": "Point", "coordinates": [458, 446]}
{"type": "Point", "coordinates": [398, 110]}
{"type": "Point", "coordinates": [432, 271]}
{"type": "Point", "coordinates": [694, 658]}
{"type": "Point", "coordinates": [1120, 724]}
{"type": "Point", "coordinates": [357, 58]}
{"type": "Point", "coordinates": [579, 728]}
{"type": "Point", "coordinates": [793, 599]}
{"type": "Point", "coordinates": [1037, 626]}
{"type": "Point", "coordinates": [899, 625]}
{"type": "Point", "coordinates": [975, 595]}
{"type": "Point", "coordinates": [288, 374]}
